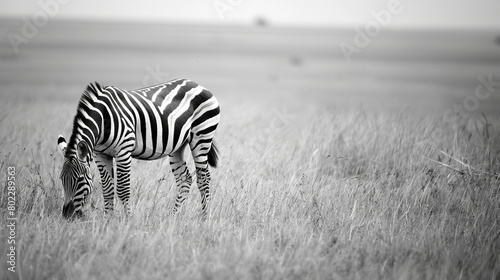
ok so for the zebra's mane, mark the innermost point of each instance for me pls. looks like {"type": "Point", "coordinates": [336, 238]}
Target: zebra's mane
{"type": "Point", "coordinates": [90, 93]}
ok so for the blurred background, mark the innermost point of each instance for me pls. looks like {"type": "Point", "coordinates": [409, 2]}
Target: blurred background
{"type": "Point", "coordinates": [295, 81]}
{"type": "Point", "coordinates": [332, 53]}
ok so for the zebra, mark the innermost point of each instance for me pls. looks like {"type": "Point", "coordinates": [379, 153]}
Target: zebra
{"type": "Point", "coordinates": [114, 125]}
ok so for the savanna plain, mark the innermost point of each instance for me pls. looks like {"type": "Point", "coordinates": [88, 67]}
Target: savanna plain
{"type": "Point", "coordinates": [329, 169]}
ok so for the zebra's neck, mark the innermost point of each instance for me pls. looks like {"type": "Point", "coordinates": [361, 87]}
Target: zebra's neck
{"type": "Point", "coordinates": [87, 123]}
{"type": "Point", "coordinates": [81, 132]}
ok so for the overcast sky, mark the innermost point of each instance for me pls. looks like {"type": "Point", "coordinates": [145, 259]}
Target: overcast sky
{"type": "Point", "coordinates": [412, 13]}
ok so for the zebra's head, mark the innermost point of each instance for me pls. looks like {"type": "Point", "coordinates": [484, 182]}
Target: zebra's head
{"type": "Point", "coordinates": [76, 178]}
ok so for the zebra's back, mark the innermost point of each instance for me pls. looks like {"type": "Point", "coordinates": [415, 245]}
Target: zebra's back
{"type": "Point", "coordinates": [164, 117]}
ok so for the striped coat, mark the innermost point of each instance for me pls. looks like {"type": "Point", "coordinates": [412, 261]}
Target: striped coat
{"type": "Point", "coordinates": [148, 123]}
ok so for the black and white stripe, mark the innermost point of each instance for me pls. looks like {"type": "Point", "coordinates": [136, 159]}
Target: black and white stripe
{"type": "Point", "coordinates": [147, 123]}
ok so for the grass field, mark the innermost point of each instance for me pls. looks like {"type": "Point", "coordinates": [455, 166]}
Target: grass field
{"type": "Point", "coordinates": [329, 169]}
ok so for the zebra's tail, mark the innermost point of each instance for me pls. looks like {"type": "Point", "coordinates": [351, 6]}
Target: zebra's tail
{"type": "Point", "coordinates": [213, 155]}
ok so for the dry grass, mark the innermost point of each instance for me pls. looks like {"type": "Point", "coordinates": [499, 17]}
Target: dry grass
{"type": "Point", "coordinates": [351, 193]}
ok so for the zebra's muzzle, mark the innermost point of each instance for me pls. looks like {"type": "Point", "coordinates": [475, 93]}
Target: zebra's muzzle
{"type": "Point", "coordinates": [69, 211]}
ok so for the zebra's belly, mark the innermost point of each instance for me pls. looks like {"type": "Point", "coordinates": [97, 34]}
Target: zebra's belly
{"type": "Point", "coordinates": [153, 157]}
{"type": "Point", "coordinates": [149, 152]}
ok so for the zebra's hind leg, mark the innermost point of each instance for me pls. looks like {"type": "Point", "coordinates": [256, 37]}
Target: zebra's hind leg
{"type": "Point", "coordinates": [203, 182]}
{"type": "Point", "coordinates": [200, 155]}
{"type": "Point", "coordinates": [183, 179]}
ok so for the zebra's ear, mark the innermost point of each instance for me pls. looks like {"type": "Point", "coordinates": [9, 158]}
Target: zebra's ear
{"type": "Point", "coordinates": [83, 151]}
{"type": "Point", "coordinates": [61, 143]}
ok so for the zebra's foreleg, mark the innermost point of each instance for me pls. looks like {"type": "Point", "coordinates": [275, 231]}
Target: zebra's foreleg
{"type": "Point", "coordinates": [105, 166]}
{"type": "Point", "coordinates": [123, 164]}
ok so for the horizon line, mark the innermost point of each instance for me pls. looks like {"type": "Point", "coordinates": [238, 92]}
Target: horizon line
{"type": "Point", "coordinates": [254, 24]}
